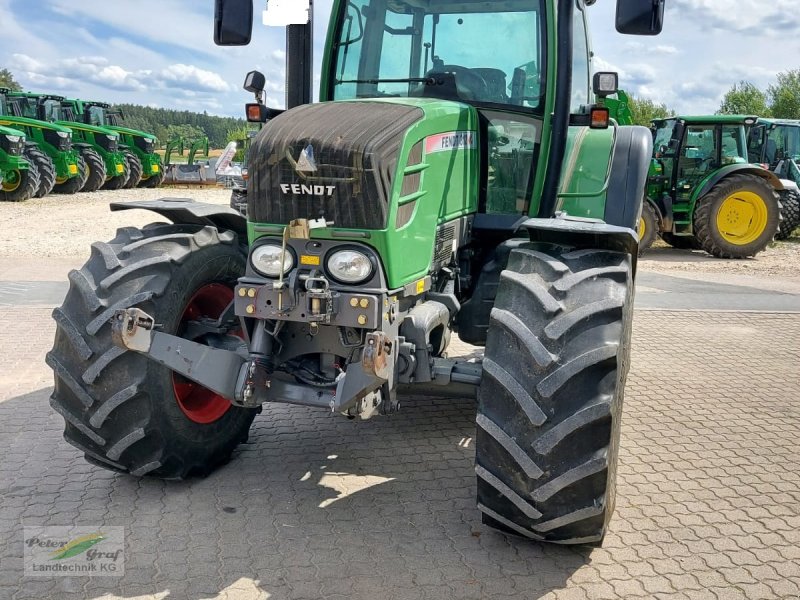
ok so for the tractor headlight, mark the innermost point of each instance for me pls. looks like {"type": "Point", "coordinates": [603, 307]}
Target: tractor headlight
{"type": "Point", "coordinates": [13, 144]}
{"type": "Point", "coordinates": [266, 259]}
{"type": "Point", "coordinates": [64, 140]}
{"type": "Point", "coordinates": [350, 266]}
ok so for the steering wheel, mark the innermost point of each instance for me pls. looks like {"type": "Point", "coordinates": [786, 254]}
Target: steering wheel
{"type": "Point", "coordinates": [470, 85]}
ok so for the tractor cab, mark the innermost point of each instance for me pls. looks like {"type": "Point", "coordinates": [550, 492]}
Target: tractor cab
{"type": "Point", "coordinates": [43, 107]}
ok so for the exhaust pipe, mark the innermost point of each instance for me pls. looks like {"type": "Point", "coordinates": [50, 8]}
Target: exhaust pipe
{"type": "Point", "coordinates": [300, 61]}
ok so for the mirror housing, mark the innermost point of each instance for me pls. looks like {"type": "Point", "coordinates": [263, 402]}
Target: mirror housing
{"type": "Point", "coordinates": [233, 22]}
{"type": "Point", "coordinates": [640, 17]}
{"type": "Point", "coordinates": [258, 113]}
{"type": "Point", "coordinates": [255, 82]}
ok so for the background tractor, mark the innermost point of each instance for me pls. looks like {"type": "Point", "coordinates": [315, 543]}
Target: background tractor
{"type": "Point", "coordinates": [776, 146]}
{"type": "Point", "coordinates": [49, 147]}
{"type": "Point", "coordinates": [703, 193]}
{"type": "Point", "coordinates": [19, 178]}
{"type": "Point", "coordinates": [438, 188]}
{"type": "Point", "coordinates": [106, 165]}
{"type": "Point", "coordinates": [139, 147]}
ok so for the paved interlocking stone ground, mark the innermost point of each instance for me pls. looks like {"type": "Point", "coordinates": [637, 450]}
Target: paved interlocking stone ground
{"type": "Point", "coordinates": [315, 506]}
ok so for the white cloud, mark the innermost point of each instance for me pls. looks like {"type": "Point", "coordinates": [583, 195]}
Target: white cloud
{"type": "Point", "coordinates": [192, 78]}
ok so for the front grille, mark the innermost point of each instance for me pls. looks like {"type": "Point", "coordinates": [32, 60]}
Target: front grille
{"type": "Point", "coordinates": [443, 249]}
{"type": "Point", "coordinates": [144, 144]}
{"type": "Point", "coordinates": [106, 143]}
{"type": "Point", "coordinates": [355, 151]}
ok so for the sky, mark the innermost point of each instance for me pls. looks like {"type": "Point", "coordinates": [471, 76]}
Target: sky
{"type": "Point", "coordinates": [161, 53]}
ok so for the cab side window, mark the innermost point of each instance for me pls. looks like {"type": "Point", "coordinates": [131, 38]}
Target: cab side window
{"type": "Point", "coordinates": [580, 62]}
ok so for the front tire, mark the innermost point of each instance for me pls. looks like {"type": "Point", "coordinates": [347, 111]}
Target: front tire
{"type": "Point", "coordinates": [124, 411]}
{"type": "Point", "coordinates": [134, 169]}
{"type": "Point", "coordinates": [20, 185]}
{"type": "Point", "coordinates": [118, 182]}
{"type": "Point", "coordinates": [95, 170]}
{"type": "Point", "coordinates": [153, 181]}
{"type": "Point", "coordinates": [47, 170]}
{"type": "Point", "coordinates": [550, 402]}
{"type": "Point", "coordinates": [73, 185]}
{"type": "Point", "coordinates": [648, 227]}
{"type": "Point", "coordinates": [790, 202]}
{"type": "Point", "coordinates": [738, 218]}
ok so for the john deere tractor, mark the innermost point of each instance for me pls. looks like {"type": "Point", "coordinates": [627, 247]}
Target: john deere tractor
{"type": "Point", "coordinates": [49, 147]}
{"type": "Point", "coordinates": [99, 147]}
{"type": "Point", "coordinates": [19, 178]}
{"type": "Point", "coordinates": [776, 146]}
{"type": "Point", "coordinates": [139, 147]}
{"type": "Point", "coordinates": [449, 182]}
{"type": "Point", "coordinates": [703, 193]}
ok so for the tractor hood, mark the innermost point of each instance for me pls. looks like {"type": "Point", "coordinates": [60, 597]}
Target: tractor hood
{"type": "Point", "coordinates": [25, 122]}
{"type": "Point", "coordinates": [133, 132]}
{"type": "Point", "coordinates": [74, 125]}
{"type": "Point", "coordinates": [385, 172]}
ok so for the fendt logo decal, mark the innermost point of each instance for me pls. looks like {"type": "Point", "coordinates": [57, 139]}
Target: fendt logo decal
{"type": "Point", "coordinates": [299, 189]}
{"type": "Point", "coordinates": [448, 142]}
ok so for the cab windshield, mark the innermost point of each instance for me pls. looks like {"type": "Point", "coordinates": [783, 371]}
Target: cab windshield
{"type": "Point", "coordinates": [52, 110]}
{"type": "Point", "coordinates": [396, 48]}
{"type": "Point", "coordinates": [96, 115]}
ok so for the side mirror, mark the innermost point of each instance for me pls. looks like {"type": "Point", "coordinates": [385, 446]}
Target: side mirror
{"type": "Point", "coordinates": [640, 17]}
{"type": "Point", "coordinates": [233, 22]}
{"type": "Point", "coordinates": [605, 84]}
{"type": "Point", "coordinates": [255, 82]}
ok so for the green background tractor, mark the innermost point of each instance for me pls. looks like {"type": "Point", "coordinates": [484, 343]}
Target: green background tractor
{"type": "Point", "coordinates": [703, 193]}
{"type": "Point", "coordinates": [775, 144]}
{"type": "Point", "coordinates": [19, 178]}
{"type": "Point", "coordinates": [105, 164]}
{"type": "Point", "coordinates": [139, 147]}
{"type": "Point", "coordinates": [438, 188]}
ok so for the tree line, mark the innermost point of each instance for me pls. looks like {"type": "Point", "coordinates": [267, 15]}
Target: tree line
{"type": "Point", "coordinates": [166, 123]}
{"type": "Point", "coordinates": [781, 99]}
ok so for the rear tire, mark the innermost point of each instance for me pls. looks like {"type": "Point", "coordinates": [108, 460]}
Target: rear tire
{"type": "Point", "coordinates": [120, 408]}
{"type": "Point", "coordinates": [550, 402]}
{"type": "Point", "coordinates": [134, 169]}
{"type": "Point", "coordinates": [22, 187]}
{"type": "Point", "coordinates": [74, 184]}
{"type": "Point", "coordinates": [95, 169]}
{"type": "Point", "coordinates": [648, 227]}
{"type": "Point", "coordinates": [47, 170]}
{"type": "Point", "coordinates": [725, 230]}
{"type": "Point", "coordinates": [790, 202]}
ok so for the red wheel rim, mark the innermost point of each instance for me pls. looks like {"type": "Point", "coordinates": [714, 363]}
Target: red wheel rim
{"type": "Point", "coordinates": [200, 404]}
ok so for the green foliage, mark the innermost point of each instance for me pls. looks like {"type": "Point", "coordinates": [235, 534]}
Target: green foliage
{"type": "Point", "coordinates": [239, 135]}
{"type": "Point", "coordinates": [744, 98]}
{"type": "Point", "coordinates": [784, 96]}
{"type": "Point", "coordinates": [645, 110]}
{"type": "Point", "coordinates": [187, 132]}
{"type": "Point", "coordinates": [7, 81]}
{"type": "Point", "coordinates": [162, 123]}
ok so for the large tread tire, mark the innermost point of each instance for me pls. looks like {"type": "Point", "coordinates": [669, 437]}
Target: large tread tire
{"type": "Point", "coordinates": [790, 202]}
{"type": "Point", "coordinates": [153, 181]}
{"type": "Point", "coordinates": [119, 407]}
{"type": "Point", "coordinates": [47, 170]}
{"type": "Point", "coordinates": [705, 217]}
{"type": "Point", "coordinates": [73, 185]}
{"type": "Point", "coordinates": [118, 182]}
{"type": "Point", "coordinates": [550, 403]}
{"type": "Point", "coordinates": [651, 225]}
{"type": "Point", "coordinates": [95, 169]}
{"type": "Point", "coordinates": [134, 169]}
{"type": "Point", "coordinates": [681, 242]}
{"type": "Point", "coordinates": [28, 185]}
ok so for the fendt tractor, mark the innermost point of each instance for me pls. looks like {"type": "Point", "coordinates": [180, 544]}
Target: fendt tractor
{"type": "Point", "coordinates": [104, 162]}
{"type": "Point", "coordinates": [775, 145]}
{"type": "Point", "coordinates": [49, 148]}
{"type": "Point", "coordinates": [139, 147]}
{"type": "Point", "coordinates": [703, 194]}
{"type": "Point", "coordinates": [19, 178]}
{"type": "Point", "coordinates": [439, 187]}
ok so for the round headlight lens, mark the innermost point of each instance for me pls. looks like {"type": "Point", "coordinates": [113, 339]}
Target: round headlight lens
{"type": "Point", "coordinates": [266, 260]}
{"type": "Point", "coordinates": [350, 266]}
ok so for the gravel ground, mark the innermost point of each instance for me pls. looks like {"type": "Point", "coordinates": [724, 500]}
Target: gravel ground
{"type": "Point", "coordinates": [63, 227]}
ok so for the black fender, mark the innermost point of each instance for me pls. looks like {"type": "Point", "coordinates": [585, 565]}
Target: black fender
{"type": "Point", "coordinates": [630, 163]}
{"type": "Point", "coordinates": [183, 211]}
{"type": "Point", "coordinates": [739, 169]}
{"type": "Point", "coordinates": [586, 234]}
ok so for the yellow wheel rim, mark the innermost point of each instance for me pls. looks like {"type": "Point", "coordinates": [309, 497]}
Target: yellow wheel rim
{"type": "Point", "coordinates": [742, 218]}
{"type": "Point", "coordinates": [642, 228]}
{"type": "Point", "coordinates": [14, 183]}
{"type": "Point", "coordinates": [60, 180]}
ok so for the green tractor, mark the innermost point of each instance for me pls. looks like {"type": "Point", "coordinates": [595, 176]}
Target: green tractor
{"type": "Point", "coordinates": [99, 147]}
{"type": "Point", "coordinates": [438, 188]}
{"type": "Point", "coordinates": [702, 192]}
{"type": "Point", "coordinates": [19, 178]}
{"type": "Point", "coordinates": [60, 167]}
{"type": "Point", "coordinates": [139, 147]}
{"type": "Point", "coordinates": [775, 144]}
